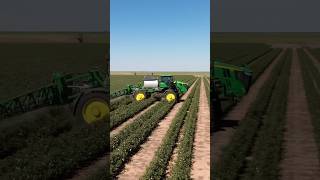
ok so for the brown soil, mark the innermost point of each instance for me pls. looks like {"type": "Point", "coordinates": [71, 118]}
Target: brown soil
{"type": "Point", "coordinates": [300, 159]}
{"type": "Point", "coordinates": [140, 161]}
{"type": "Point", "coordinates": [201, 152]}
{"type": "Point", "coordinates": [230, 121]}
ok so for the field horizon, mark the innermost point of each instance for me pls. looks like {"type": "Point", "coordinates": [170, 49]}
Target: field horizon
{"type": "Point", "coordinates": [266, 37]}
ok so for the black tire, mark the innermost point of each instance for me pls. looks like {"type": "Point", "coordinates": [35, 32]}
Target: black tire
{"type": "Point", "coordinates": [97, 102]}
{"type": "Point", "coordinates": [139, 95]}
{"type": "Point", "coordinates": [171, 96]}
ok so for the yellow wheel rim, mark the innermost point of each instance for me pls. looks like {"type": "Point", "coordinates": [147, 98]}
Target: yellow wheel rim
{"type": "Point", "coordinates": [95, 110]}
{"type": "Point", "coordinates": [140, 97]}
{"type": "Point", "coordinates": [170, 97]}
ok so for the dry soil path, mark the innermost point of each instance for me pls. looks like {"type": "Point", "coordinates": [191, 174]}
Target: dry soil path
{"type": "Point", "coordinates": [300, 159]}
{"type": "Point", "coordinates": [201, 152]}
{"type": "Point", "coordinates": [222, 137]}
{"type": "Point", "coordinates": [137, 165]}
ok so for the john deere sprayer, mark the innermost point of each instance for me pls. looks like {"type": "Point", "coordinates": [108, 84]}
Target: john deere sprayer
{"type": "Point", "coordinates": [164, 87]}
{"type": "Point", "coordinates": [230, 83]}
{"type": "Point", "coordinates": [87, 92]}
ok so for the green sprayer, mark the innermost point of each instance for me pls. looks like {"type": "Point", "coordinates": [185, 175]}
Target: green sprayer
{"type": "Point", "coordinates": [86, 91]}
{"type": "Point", "coordinates": [230, 82]}
{"type": "Point", "coordinates": [164, 87]}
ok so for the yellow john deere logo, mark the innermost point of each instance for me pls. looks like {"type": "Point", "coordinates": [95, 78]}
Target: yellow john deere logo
{"type": "Point", "coordinates": [94, 111]}
{"type": "Point", "coordinates": [140, 97]}
{"type": "Point", "coordinates": [170, 97]}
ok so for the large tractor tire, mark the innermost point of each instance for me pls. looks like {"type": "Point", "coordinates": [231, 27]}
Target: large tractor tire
{"type": "Point", "coordinates": [171, 96]}
{"type": "Point", "coordinates": [139, 96]}
{"type": "Point", "coordinates": [92, 107]}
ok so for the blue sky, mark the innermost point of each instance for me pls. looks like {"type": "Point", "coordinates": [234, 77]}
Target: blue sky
{"type": "Point", "coordinates": [160, 35]}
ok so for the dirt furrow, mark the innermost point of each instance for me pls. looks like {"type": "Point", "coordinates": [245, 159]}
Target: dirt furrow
{"type": "Point", "coordinates": [231, 120]}
{"type": "Point", "coordinates": [300, 156]}
{"type": "Point", "coordinates": [201, 152]}
{"type": "Point", "coordinates": [138, 163]}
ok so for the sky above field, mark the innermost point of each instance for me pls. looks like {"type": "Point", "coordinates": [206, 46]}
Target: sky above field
{"type": "Point", "coordinates": [53, 15]}
{"type": "Point", "coordinates": [160, 35]}
{"type": "Point", "coordinates": [266, 16]}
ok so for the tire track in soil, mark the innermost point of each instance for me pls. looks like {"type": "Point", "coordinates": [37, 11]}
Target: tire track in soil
{"type": "Point", "coordinates": [300, 159]}
{"type": "Point", "coordinates": [201, 145]}
{"type": "Point", "coordinates": [138, 163]}
{"type": "Point", "coordinates": [231, 120]}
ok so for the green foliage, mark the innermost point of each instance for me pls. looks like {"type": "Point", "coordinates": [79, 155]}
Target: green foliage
{"type": "Point", "coordinates": [122, 113]}
{"type": "Point", "coordinates": [237, 53]}
{"type": "Point", "coordinates": [183, 164]}
{"type": "Point", "coordinates": [207, 87]}
{"type": "Point", "coordinates": [17, 135]}
{"type": "Point", "coordinates": [235, 153]}
{"type": "Point", "coordinates": [259, 65]}
{"type": "Point", "coordinates": [57, 157]}
{"type": "Point", "coordinates": [118, 82]}
{"type": "Point", "coordinates": [266, 152]}
{"type": "Point", "coordinates": [157, 168]}
{"type": "Point", "coordinates": [123, 100]}
{"type": "Point", "coordinates": [130, 140]}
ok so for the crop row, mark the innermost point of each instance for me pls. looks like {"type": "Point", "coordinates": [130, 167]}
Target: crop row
{"type": "Point", "coordinates": [266, 152]}
{"type": "Point", "coordinates": [311, 77]}
{"type": "Point", "coordinates": [57, 157]}
{"type": "Point", "coordinates": [124, 112]}
{"type": "Point", "coordinates": [207, 88]}
{"type": "Point", "coordinates": [123, 100]}
{"type": "Point", "coordinates": [128, 141]}
{"type": "Point", "coordinates": [18, 135]}
{"type": "Point", "coordinates": [131, 130]}
{"type": "Point", "coordinates": [132, 139]}
{"type": "Point", "coordinates": [235, 153]}
{"type": "Point", "coordinates": [262, 63]}
{"type": "Point", "coordinates": [250, 58]}
{"type": "Point", "coordinates": [158, 166]}
{"type": "Point", "coordinates": [183, 164]}
{"type": "Point", "coordinates": [231, 51]}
